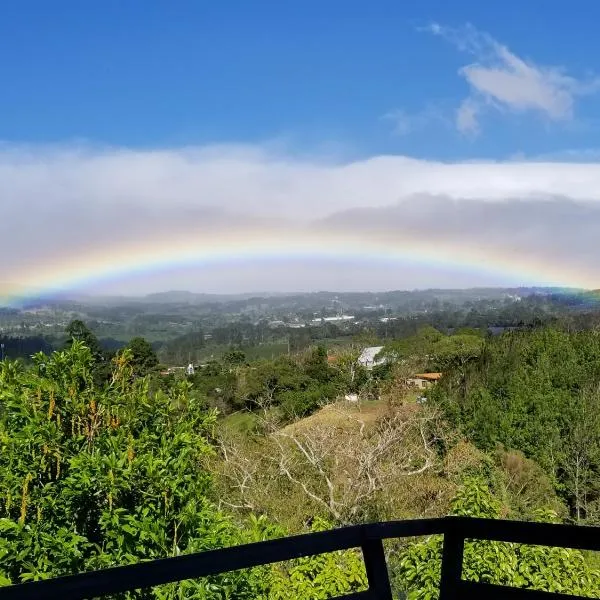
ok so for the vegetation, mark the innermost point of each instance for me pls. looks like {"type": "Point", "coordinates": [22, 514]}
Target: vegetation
{"type": "Point", "coordinates": [105, 459]}
{"type": "Point", "coordinates": [292, 386]}
{"type": "Point", "coordinates": [537, 392]}
{"type": "Point", "coordinates": [94, 477]}
{"type": "Point", "coordinates": [143, 358]}
{"type": "Point", "coordinates": [517, 565]}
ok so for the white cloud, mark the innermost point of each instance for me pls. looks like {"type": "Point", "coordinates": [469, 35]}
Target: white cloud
{"type": "Point", "coordinates": [402, 122]}
{"type": "Point", "coordinates": [467, 117]}
{"type": "Point", "coordinates": [405, 123]}
{"type": "Point", "coordinates": [502, 81]}
{"type": "Point", "coordinates": [66, 201]}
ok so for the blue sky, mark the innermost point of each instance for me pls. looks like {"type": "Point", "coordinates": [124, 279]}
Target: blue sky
{"type": "Point", "coordinates": [155, 73]}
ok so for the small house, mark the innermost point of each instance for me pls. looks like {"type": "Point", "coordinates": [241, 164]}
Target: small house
{"type": "Point", "coordinates": [422, 381]}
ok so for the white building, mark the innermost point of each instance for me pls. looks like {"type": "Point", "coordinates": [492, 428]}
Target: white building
{"type": "Point", "coordinates": [367, 357]}
{"type": "Point", "coordinates": [338, 319]}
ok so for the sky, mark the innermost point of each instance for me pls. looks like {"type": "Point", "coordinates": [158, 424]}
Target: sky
{"type": "Point", "coordinates": [288, 146]}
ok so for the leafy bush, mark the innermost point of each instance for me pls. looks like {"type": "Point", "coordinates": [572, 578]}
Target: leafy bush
{"type": "Point", "coordinates": [319, 577]}
{"type": "Point", "coordinates": [92, 477]}
{"type": "Point", "coordinates": [518, 565]}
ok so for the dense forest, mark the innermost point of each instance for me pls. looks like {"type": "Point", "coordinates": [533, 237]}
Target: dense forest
{"type": "Point", "coordinates": [538, 393]}
{"type": "Point", "coordinates": [106, 459]}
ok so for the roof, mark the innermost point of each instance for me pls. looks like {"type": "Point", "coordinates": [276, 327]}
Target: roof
{"type": "Point", "coordinates": [369, 354]}
{"type": "Point", "coordinates": [428, 376]}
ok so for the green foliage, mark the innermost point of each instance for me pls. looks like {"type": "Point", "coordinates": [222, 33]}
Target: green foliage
{"type": "Point", "coordinates": [78, 331]}
{"type": "Point", "coordinates": [537, 392]}
{"type": "Point", "coordinates": [437, 351]}
{"type": "Point", "coordinates": [97, 476]}
{"type": "Point", "coordinates": [516, 565]}
{"type": "Point", "coordinates": [234, 357]}
{"type": "Point", "coordinates": [219, 385]}
{"type": "Point", "coordinates": [455, 351]}
{"type": "Point", "coordinates": [94, 476]}
{"type": "Point", "coordinates": [143, 358]}
{"type": "Point", "coordinates": [100, 466]}
{"type": "Point", "coordinates": [14, 346]}
{"type": "Point", "coordinates": [298, 387]}
{"type": "Point", "coordinates": [316, 367]}
{"type": "Point", "coordinates": [319, 577]}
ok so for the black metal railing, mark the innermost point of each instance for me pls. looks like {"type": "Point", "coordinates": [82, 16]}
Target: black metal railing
{"type": "Point", "coordinates": [369, 538]}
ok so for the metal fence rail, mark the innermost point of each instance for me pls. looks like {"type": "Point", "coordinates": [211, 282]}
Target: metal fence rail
{"type": "Point", "coordinates": [369, 538]}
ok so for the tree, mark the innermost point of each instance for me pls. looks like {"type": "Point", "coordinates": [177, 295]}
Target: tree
{"type": "Point", "coordinates": [77, 330]}
{"type": "Point", "coordinates": [315, 365]}
{"type": "Point", "coordinates": [581, 452]}
{"type": "Point", "coordinates": [143, 358]}
{"type": "Point", "coordinates": [234, 357]}
{"type": "Point", "coordinates": [351, 376]}
{"type": "Point", "coordinates": [456, 351]}
{"type": "Point", "coordinates": [537, 392]}
{"type": "Point", "coordinates": [95, 476]}
{"type": "Point", "coordinates": [342, 467]}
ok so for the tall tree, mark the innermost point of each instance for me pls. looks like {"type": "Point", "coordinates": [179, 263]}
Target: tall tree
{"type": "Point", "coordinates": [143, 357]}
{"type": "Point", "coordinates": [77, 330]}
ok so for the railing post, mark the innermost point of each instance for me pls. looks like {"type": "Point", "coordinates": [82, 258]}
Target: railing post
{"type": "Point", "coordinates": [377, 573]}
{"type": "Point", "coordinates": [452, 559]}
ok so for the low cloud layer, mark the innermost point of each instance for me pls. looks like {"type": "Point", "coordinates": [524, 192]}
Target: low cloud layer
{"type": "Point", "coordinates": [58, 202]}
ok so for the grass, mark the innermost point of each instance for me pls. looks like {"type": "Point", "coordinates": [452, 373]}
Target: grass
{"type": "Point", "coordinates": [240, 422]}
{"type": "Point", "coordinates": [268, 350]}
{"type": "Point", "coordinates": [216, 351]}
{"type": "Point", "coordinates": [336, 414]}
{"type": "Point", "coordinates": [342, 414]}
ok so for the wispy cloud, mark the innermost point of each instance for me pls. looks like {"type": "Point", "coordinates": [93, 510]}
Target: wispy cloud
{"type": "Point", "coordinates": [404, 122]}
{"type": "Point", "coordinates": [467, 117]}
{"type": "Point", "coordinates": [499, 80]}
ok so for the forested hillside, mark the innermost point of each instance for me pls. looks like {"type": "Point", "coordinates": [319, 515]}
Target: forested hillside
{"type": "Point", "coordinates": [537, 392]}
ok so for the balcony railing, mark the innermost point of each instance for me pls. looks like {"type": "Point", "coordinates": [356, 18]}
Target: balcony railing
{"type": "Point", "coordinates": [369, 538]}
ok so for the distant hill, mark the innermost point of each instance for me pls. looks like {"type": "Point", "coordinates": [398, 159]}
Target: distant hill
{"type": "Point", "coordinates": [180, 297]}
{"type": "Point", "coordinates": [185, 297]}
{"type": "Point", "coordinates": [401, 299]}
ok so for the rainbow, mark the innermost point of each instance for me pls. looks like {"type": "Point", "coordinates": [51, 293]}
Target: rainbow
{"type": "Point", "coordinates": [66, 272]}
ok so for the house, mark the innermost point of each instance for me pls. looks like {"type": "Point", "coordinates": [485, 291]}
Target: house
{"type": "Point", "coordinates": [368, 358]}
{"type": "Point", "coordinates": [422, 381]}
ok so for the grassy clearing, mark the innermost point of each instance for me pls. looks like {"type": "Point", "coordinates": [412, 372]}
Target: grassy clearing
{"type": "Point", "coordinates": [341, 415]}
{"type": "Point", "coordinates": [240, 422]}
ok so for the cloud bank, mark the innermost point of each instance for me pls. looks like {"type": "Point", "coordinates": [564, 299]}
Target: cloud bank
{"type": "Point", "coordinates": [68, 200]}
